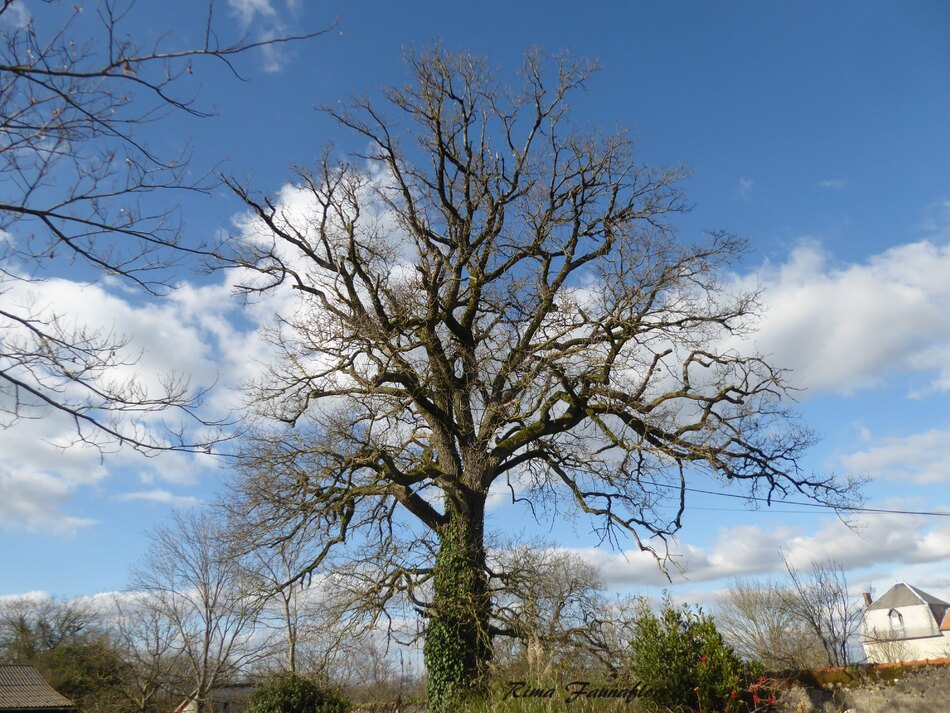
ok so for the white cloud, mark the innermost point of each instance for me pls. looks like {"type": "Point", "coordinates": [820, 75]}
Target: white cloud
{"type": "Point", "coordinates": [198, 332]}
{"type": "Point", "coordinates": [36, 595]}
{"type": "Point", "coordinates": [161, 342]}
{"type": "Point", "coordinates": [160, 496]}
{"type": "Point", "coordinates": [34, 501]}
{"type": "Point", "coordinates": [845, 327]}
{"type": "Point", "coordinates": [744, 189]}
{"type": "Point", "coordinates": [15, 15]}
{"type": "Point", "coordinates": [872, 540]}
{"type": "Point", "coordinates": [268, 24]}
{"type": "Point", "coordinates": [833, 183]}
{"type": "Point", "coordinates": [247, 11]}
{"type": "Point", "coordinates": [922, 458]}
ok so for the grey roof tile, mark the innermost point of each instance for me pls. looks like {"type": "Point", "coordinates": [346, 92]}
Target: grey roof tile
{"type": "Point", "coordinates": [904, 595]}
{"type": "Point", "coordinates": [23, 687]}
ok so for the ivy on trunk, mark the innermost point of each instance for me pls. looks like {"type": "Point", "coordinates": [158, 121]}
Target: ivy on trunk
{"type": "Point", "coordinates": [457, 645]}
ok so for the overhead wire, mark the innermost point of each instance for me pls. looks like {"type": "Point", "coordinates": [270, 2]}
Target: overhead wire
{"type": "Point", "coordinates": [801, 503]}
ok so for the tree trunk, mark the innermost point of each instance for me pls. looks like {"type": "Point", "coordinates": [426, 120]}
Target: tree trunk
{"type": "Point", "coordinates": [457, 644]}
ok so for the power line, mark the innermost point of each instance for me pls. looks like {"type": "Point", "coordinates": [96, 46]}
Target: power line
{"type": "Point", "coordinates": [770, 511]}
{"type": "Point", "coordinates": [802, 503]}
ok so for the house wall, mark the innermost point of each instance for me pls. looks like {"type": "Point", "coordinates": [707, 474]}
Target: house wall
{"type": "Point", "coordinates": [911, 637]}
{"type": "Point", "coordinates": [914, 622]}
{"type": "Point", "coordinates": [895, 650]}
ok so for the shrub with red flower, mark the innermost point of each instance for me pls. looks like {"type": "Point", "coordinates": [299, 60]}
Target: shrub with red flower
{"type": "Point", "coordinates": [683, 663]}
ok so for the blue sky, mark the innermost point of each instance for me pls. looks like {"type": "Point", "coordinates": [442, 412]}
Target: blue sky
{"type": "Point", "coordinates": [817, 131]}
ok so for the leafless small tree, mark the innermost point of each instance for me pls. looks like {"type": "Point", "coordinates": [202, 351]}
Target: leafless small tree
{"type": "Point", "coordinates": [819, 597]}
{"type": "Point", "coordinates": [199, 589]}
{"type": "Point", "coordinates": [284, 605]}
{"type": "Point", "coordinates": [883, 647]}
{"type": "Point", "coordinates": [307, 618]}
{"type": "Point", "coordinates": [546, 602]}
{"type": "Point", "coordinates": [147, 640]}
{"type": "Point", "coordinates": [82, 188]}
{"type": "Point", "coordinates": [611, 633]}
{"type": "Point", "coordinates": [756, 619]}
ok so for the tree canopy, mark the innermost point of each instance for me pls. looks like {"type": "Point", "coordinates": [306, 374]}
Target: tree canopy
{"type": "Point", "coordinates": [492, 296]}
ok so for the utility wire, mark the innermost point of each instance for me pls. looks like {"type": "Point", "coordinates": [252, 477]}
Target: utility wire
{"type": "Point", "coordinates": [770, 511]}
{"type": "Point", "coordinates": [802, 503]}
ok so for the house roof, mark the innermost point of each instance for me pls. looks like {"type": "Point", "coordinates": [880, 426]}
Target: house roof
{"type": "Point", "coordinates": [22, 687]}
{"type": "Point", "coordinates": [905, 595]}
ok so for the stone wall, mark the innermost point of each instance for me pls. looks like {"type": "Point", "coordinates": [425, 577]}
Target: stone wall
{"type": "Point", "coordinates": [924, 689]}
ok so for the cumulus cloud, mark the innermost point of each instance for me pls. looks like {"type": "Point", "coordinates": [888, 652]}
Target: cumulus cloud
{"type": "Point", "coordinates": [923, 458]}
{"type": "Point", "coordinates": [38, 479]}
{"type": "Point", "coordinates": [198, 332]}
{"type": "Point", "coordinates": [885, 539]}
{"type": "Point", "coordinates": [36, 596]}
{"type": "Point", "coordinates": [34, 501]}
{"type": "Point", "coordinates": [846, 327]}
{"type": "Point", "coordinates": [160, 343]}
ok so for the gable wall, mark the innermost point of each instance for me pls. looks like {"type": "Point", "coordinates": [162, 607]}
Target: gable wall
{"type": "Point", "coordinates": [918, 622]}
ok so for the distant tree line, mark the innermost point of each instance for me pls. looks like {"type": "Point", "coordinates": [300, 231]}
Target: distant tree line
{"type": "Point", "coordinates": [206, 610]}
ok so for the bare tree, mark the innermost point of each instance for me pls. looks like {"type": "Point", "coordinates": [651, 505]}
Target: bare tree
{"type": "Point", "coordinates": [882, 647]}
{"type": "Point", "coordinates": [819, 598]}
{"type": "Point", "coordinates": [32, 626]}
{"type": "Point", "coordinates": [307, 615]}
{"type": "Point", "coordinates": [757, 620]}
{"type": "Point", "coordinates": [196, 585]}
{"type": "Point", "coordinates": [498, 300]}
{"type": "Point", "coordinates": [610, 635]}
{"type": "Point", "coordinates": [285, 604]}
{"type": "Point", "coordinates": [148, 641]}
{"type": "Point", "coordinates": [81, 188]}
{"type": "Point", "coordinates": [546, 602]}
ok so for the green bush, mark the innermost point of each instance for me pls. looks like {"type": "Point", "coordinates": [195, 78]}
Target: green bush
{"type": "Point", "coordinates": [683, 663]}
{"type": "Point", "coordinates": [293, 694]}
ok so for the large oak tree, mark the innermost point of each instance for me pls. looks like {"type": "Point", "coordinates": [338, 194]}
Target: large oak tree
{"type": "Point", "coordinates": [491, 295]}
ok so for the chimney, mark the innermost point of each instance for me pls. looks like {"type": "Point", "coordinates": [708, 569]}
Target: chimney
{"type": "Point", "coordinates": [867, 599]}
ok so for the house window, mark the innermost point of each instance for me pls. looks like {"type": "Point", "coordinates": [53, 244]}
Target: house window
{"type": "Point", "coordinates": [896, 620]}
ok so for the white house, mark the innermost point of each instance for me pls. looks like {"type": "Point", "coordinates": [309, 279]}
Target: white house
{"type": "Point", "coordinates": [905, 624]}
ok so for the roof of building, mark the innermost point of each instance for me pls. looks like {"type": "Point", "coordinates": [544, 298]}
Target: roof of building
{"type": "Point", "coordinates": [905, 595]}
{"type": "Point", "coordinates": [22, 687]}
